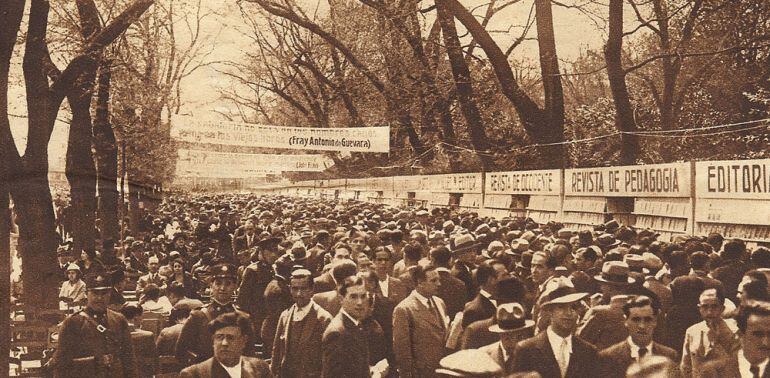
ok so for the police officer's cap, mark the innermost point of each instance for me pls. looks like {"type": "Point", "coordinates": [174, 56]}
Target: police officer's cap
{"type": "Point", "coordinates": [98, 282]}
{"type": "Point", "coordinates": [223, 270]}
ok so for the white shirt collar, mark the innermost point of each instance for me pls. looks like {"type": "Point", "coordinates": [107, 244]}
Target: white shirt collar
{"type": "Point", "coordinates": [385, 286]}
{"type": "Point", "coordinates": [300, 313]}
{"type": "Point", "coordinates": [635, 348]}
{"type": "Point", "coordinates": [421, 298]}
{"type": "Point", "coordinates": [744, 366]}
{"type": "Point", "coordinates": [352, 319]}
{"type": "Point", "coordinates": [443, 269]}
{"type": "Point", "coordinates": [487, 295]}
{"type": "Point", "coordinates": [235, 371]}
{"type": "Point", "coordinates": [556, 340]}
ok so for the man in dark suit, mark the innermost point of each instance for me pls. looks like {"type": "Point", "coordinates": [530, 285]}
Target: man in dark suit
{"type": "Point", "coordinates": [452, 290]}
{"type": "Point", "coordinates": [420, 327]}
{"type": "Point", "coordinates": [255, 279]}
{"type": "Point", "coordinates": [477, 334]}
{"type": "Point", "coordinates": [277, 300]}
{"type": "Point", "coordinates": [247, 239]}
{"type": "Point", "coordinates": [194, 344]}
{"type": "Point", "coordinates": [325, 282]}
{"type": "Point", "coordinates": [511, 327]}
{"type": "Point", "coordinates": [230, 334]}
{"type": "Point", "coordinates": [391, 288]}
{"type": "Point", "coordinates": [297, 344]}
{"type": "Point", "coordinates": [152, 277]}
{"type": "Point", "coordinates": [483, 305]}
{"type": "Point", "coordinates": [732, 270]}
{"type": "Point", "coordinates": [641, 318]}
{"type": "Point", "coordinates": [331, 300]}
{"type": "Point", "coordinates": [753, 358]}
{"type": "Point", "coordinates": [143, 342]}
{"type": "Point", "coordinates": [557, 352]}
{"type": "Point", "coordinates": [345, 348]}
{"type": "Point", "coordinates": [603, 324]}
{"type": "Point", "coordinates": [465, 252]}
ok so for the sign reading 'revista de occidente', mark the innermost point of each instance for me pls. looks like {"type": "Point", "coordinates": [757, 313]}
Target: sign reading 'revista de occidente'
{"type": "Point", "coordinates": [659, 180]}
{"type": "Point", "coordinates": [350, 139]}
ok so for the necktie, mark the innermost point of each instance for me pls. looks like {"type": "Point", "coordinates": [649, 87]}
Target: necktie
{"type": "Point", "coordinates": [563, 357]}
{"type": "Point", "coordinates": [642, 352]}
{"type": "Point", "coordinates": [754, 371]}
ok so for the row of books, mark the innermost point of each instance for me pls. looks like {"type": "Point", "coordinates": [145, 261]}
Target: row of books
{"type": "Point", "coordinates": [669, 207]}
{"type": "Point", "coordinates": [661, 223]}
{"type": "Point", "coordinates": [585, 204]}
{"type": "Point", "coordinates": [743, 231]}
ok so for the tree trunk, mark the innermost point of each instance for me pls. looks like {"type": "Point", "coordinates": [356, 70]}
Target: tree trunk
{"type": "Point", "coordinates": [552, 88]}
{"type": "Point", "coordinates": [462, 78]}
{"type": "Point", "coordinates": [106, 149]}
{"type": "Point", "coordinates": [624, 116]}
{"type": "Point", "coordinates": [80, 169]}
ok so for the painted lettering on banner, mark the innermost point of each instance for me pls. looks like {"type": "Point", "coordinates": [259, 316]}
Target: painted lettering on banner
{"type": "Point", "coordinates": [660, 180]}
{"type": "Point", "coordinates": [740, 179]}
{"type": "Point", "coordinates": [524, 182]}
{"type": "Point", "coordinates": [350, 139]}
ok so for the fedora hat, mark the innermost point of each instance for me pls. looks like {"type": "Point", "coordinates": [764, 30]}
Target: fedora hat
{"type": "Point", "coordinates": [635, 263]}
{"type": "Point", "coordinates": [469, 363]}
{"type": "Point", "coordinates": [615, 272]}
{"type": "Point", "coordinates": [520, 245]}
{"type": "Point", "coordinates": [510, 317]}
{"type": "Point", "coordinates": [559, 291]}
{"type": "Point", "coordinates": [464, 242]}
{"type": "Point", "coordinates": [607, 241]}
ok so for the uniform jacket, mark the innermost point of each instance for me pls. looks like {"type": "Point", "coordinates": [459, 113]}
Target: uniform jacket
{"type": "Point", "coordinates": [195, 342]}
{"type": "Point", "coordinates": [252, 367]}
{"type": "Point", "coordinates": [251, 294]}
{"type": "Point", "coordinates": [308, 351]}
{"type": "Point", "coordinates": [535, 354]}
{"type": "Point", "coordinates": [340, 338]}
{"type": "Point", "coordinates": [616, 359]}
{"type": "Point", "coordinates": [79, 338]}
{"type": "Point", "coordinates": [419, 336]}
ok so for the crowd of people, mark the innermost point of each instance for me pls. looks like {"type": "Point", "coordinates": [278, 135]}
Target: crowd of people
{"type": "Point", "coordinates": [258, 286]}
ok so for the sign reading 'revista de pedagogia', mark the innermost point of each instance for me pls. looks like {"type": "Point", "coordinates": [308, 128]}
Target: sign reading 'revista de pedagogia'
{"type": "Point", "coordinates": [659, 180]}
{"type": "Point", "coordinates": [350, 139]}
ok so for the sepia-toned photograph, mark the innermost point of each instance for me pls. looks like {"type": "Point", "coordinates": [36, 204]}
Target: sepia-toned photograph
{"type": "Point", "coordinates": [385, 188]}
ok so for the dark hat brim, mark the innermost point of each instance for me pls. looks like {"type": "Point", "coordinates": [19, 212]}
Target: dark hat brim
{"type": "Point", "coordinates": [629, 280]}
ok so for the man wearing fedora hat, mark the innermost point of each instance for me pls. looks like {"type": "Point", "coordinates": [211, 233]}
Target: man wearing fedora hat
{"type": "Point", "coordinates": [604, 323]}
{"type": "Point", "coordinates": [195, 344]}
{"type": "Point", "coordinates": [557, 352]}
{"type": "Point", "coordinates": [469, 363]}
{"type": "Point", "coordinates": [464, 251]}
{"type": "Point", "coordinates": [511, 327]}
{"type": "Point", "coordinates": [641, 317]}
{"type": "Point", "coordinates": [95, 342]}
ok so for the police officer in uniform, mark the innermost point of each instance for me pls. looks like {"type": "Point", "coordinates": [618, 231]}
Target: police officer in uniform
{"type": "Point", "coordinates": [95, 342]}
{"type": "Point", "coordinates": [195, 344]}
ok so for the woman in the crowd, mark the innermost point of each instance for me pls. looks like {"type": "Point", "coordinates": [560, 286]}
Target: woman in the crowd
{"type": "Point", "coordinates": [89, 263]}
{"type": "Point", "coordinates": [186, 279]}
{"type": "Point", "coordinates": [73, 290]}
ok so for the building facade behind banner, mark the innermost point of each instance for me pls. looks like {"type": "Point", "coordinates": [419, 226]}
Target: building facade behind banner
{"type": "Point", "coordinates": [729, 197]}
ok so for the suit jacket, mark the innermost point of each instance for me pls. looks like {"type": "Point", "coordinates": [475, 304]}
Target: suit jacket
{"type": "Point", "coordinates": [195, 342]}
{"type": "Point", "coordinates": [277, 299]}
{"type": "Point", "coordinates": [477, 334]}
{"type": "Point", "coordinates": [252, 367]}
{"type": "Point", "coordinates": [345, 349]}
{"type": "Point", "coordinates": [726, 367]}
{"type": "Point", "coordinates": [397, 290]}
{"type": "Point", "coordinates": [241, 242]}
{"type": "Point", "coordinates": [308, 351]}
{"type": "Point", "coordinates": [453, 292]}
{"type": "Point", "coordinates": [464, 273]}
{"type": "Point", "coordinates": [535, 354]}
{"type": "Point", "coordinates": [145, 280]}
{"type": "Point", "coordinates": [145, 352]}
{"type": "Point", "coordinates": [331, 301]}
{"type": "Point", "coordinates": [479, 308]}
{"type": "Point", "coordinates": [604, 326]}
{"type": "Point", "coordinates": [495, 350]}
{"type": "Point", "coordinates": [251, 294]}
{"type": "Point", "coordinates": [324, 282]}
{"type": "Point", "coordinates": [616, 359]}
{"type": "Point", "coordinates": [167, 339]}
{"type": "Point", "coordinates": [419, 337]}
{"type": "Point", "coordinates": [730, 275]}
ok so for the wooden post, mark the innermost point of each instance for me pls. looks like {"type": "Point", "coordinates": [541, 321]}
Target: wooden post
{"type": "Point", "coordinates": [5, 277]}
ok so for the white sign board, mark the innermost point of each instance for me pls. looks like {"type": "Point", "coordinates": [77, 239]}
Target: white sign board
{"type": "Point", "coordinates": [350, 139]}
{"type": "Point", "coordinates": [227, 164]}
{"type": "Point", "coordinates": [547, 182]}
{"type": "Point", "coordinates": [737, 179]}
{"type": "Point", "coordinates": [452, 183]}
{"type": "Point", "coordinates": [658, 180]}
